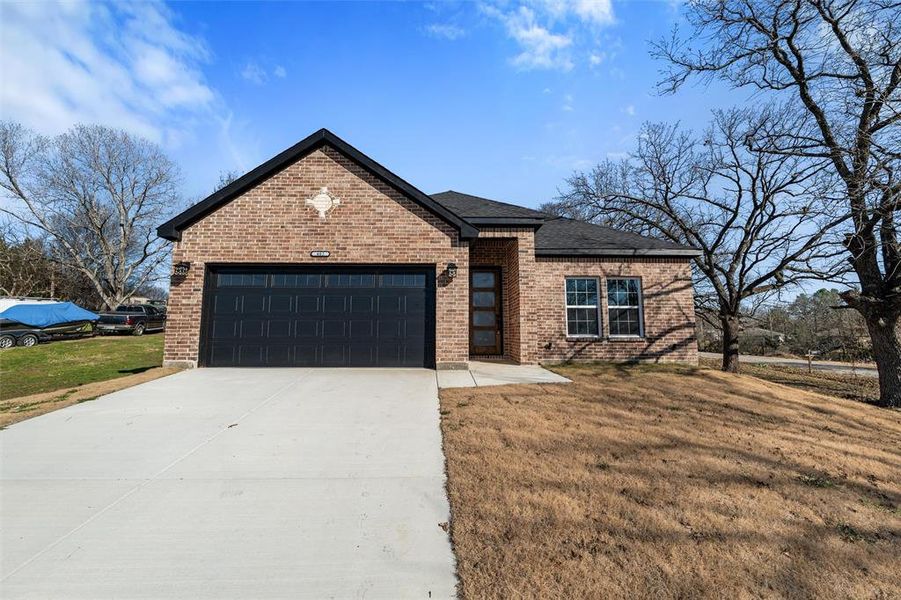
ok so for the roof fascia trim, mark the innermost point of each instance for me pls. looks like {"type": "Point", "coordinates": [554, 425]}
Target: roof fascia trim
{"type": "Point", "coordinates": [662, 252]}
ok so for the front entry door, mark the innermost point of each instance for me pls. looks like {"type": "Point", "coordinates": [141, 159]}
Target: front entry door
{"type": "Point", "coordinates": [485, 311]}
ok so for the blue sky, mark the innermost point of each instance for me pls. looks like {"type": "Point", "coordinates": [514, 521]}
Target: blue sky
{"type": "Point", "coordinates": [499, 99]}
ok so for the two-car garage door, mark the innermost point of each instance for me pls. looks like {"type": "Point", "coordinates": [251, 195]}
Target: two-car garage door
{"type": "Point", "coordinates": [307, 317]}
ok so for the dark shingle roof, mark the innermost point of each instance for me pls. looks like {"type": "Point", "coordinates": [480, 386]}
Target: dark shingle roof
{"type": "Point", "coordinates": [474, 207]}
{"type": "Point", "coordinates": [568, 237]}
{"type": "Point", "coordinates": [558, 236]}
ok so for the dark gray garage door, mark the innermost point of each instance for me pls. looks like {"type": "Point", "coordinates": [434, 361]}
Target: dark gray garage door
{"type": "Point", "coordinates": [355, 317]}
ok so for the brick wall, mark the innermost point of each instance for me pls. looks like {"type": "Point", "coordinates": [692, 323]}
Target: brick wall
{"type": "Point", "coordinates": [373, 224]}
{"type": "Point", "coordinates": [668, 308]}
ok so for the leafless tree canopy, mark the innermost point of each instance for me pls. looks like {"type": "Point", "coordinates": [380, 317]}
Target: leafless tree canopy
{"type": "Point", "coordinates": [23, 270]}
{"type": "Point", "coordinates": [761, 220]}
{"type": "Point", "coordinates": [838, 64]}
{"type": "Point", "coordinates": [96, 195]}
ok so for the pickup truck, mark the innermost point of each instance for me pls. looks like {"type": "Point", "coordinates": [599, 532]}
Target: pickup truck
{"type": "Point", "coordinates": [135, 319]}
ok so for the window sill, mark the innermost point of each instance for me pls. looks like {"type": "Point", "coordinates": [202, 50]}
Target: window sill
{"type": "Point", "coordinates": [625, 338]}
{"type": "Point", "coordinates": [583, 337]}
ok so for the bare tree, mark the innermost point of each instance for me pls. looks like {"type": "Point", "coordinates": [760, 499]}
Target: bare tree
{"type": "Point", "coordinates": [24, 270]}
{"type": "Point", "coordinates": [96, 195]}
{"type": "Point", "coordinates": [838, 63]}
{"type": "Point", "coordinates": [759, 220]}
{"type": "Point", "coordinates": [225, 178]}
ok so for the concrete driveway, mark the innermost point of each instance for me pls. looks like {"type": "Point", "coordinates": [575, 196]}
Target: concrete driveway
{"type": "Point", "coordinates": [232, 483]}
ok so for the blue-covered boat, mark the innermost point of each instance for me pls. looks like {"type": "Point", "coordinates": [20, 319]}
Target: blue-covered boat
{"type": "Point", "coordinates": [29, 323]}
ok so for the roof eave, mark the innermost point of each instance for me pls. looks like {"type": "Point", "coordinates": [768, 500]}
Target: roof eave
{"type": "Point", "coordinates": [506, 221]}
{"type": "Point", "coordinates": [619, 252]}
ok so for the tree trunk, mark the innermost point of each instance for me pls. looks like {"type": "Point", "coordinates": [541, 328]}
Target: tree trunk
{"type": "Point", "coordinates": [730, 326]}
{"type": "Point", "coordinates": [887, 352]}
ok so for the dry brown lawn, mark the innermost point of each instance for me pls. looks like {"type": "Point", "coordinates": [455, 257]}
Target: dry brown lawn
{"type": "Point", "coordinates": [671, 482]}
{"type": "Point", "coordinates": [858, 387]}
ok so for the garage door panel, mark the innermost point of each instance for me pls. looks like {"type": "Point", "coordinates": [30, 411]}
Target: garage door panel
{"type": "Point", "coordinates": [279, 329]}
{"type": "Point", "coordinates": [332, 355]}
{"type": "Point", "coordinates": [222, 355]}
{"type": "Point", "coordinates": [361, 304]}
{"type": "Point", "coordinates": [227, 304]}
{"type": "Point", "coordinates": [253, 303]}
{"type": "Point", "coordinates": [356, 318]}
{"type": "Point", "coordinates": [306, 329]}
{"type": "Point", "coordinates": [362, 356]}
{"type": "Point", "coordinates": [281, 303]}
{"type": "Point", "coordinates": [390, 305]}
{"type": "Point", "coordinates": [278, 356]}
{"type": "Point", "coordinates": [307, 305]}
{"type": "Point", "coordinates": [252, 328]}
{"type": "Point", "coordinates": [251, 355]}
{"type": "Point", "coordinates": [334, 304]}
{"type": "Point", "coordinates": [415, 328]}
{"type": "Point", "coordinates": [224, 328]}
{"type": "Point", "coordinates": [306, 356]}
{"type": "Point", "coordinates": [332, 328]}
{"type": "Point", "coordinates": [361, 330]}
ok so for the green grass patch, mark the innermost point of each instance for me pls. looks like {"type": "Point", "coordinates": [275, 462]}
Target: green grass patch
{"type": "Point", "coordinates": [65, 364]}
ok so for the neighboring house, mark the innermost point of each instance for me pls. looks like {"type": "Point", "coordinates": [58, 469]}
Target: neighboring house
{"type": "Point", "coordinates": [323, 257]}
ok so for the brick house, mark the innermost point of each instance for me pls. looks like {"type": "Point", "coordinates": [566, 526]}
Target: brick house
{"type": "Point", "coordinates": [322, 257]}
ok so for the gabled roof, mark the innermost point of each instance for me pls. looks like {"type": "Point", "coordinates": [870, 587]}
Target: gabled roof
{"type": "Point", "coordinates": [171, 230]}
{"type": "Point", "coordinates": [559, 236]}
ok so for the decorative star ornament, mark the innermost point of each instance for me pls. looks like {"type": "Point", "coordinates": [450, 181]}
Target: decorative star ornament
{"type": "Point", "coordinates": [323, 202]}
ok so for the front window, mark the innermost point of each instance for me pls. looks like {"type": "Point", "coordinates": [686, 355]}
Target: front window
{"type": "Point", "coordinates": [624, 307]}
{"type": "Point", "coordinates": [582, 306]}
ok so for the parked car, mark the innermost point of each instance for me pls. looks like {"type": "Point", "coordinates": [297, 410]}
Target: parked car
{"type": "Point", "coordinates": [134, 319]}
{"type": "Point", "coordinates": [13, 333]}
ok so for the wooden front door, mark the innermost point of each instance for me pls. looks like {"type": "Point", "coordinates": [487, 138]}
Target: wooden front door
{"type": "Point", "coordinates": [485, 311]}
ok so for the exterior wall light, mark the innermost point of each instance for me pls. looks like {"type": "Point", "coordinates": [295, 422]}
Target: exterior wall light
{"type": "Point", "coordinates": [451, 270]}
{"type": "Point", "coordinates": [181, 268]}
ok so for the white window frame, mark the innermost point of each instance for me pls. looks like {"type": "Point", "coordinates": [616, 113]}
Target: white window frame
{"type": "Point", "coordinates": [597, 308]}
{"type": "Point", "coordinates": [626, 336]}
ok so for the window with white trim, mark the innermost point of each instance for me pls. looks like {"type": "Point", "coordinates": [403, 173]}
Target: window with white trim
{"type": "Point", "coordinates": [624, 307]}
{"type": "Point", "coordinates": [582, 307]}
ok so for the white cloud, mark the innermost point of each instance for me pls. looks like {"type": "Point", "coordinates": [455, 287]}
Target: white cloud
{"type": "Point", "coordinates": [629, 110]}
{"type": "Point", "coordinates": [445, 31]}
{"type": "Point", "coordinates": [254, 73]}
{"type": "Point", "coordinates": [599, 12]}
{"type": "Point", "coordinates": [567, 103]}
{"type": "Point", "coordinates": [540, 49]}
{"type": "Point", "coordinates": [554, 34]}
{"type": "Point", "coordinates": [124, 65]}
{"type": "Point", "coordinates": [596, 58]}
{"type": "Point", "coordinates": [280, 72]}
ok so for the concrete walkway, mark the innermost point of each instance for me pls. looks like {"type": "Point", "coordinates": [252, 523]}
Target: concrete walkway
{"type": "Point", "coordinates": [482, 374]}
{"type": "Point", "coordinates": [232, 483]}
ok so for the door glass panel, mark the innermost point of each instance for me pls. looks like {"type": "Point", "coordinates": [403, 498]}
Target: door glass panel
{"type": "Point", "coordinates": [483, 279]}
{"type": "Point", "coordinates": [482, 337]}
{"type": "Point", "coordinates": [483, 318]}
{"type": "Point", "coordinates": [483, 298]}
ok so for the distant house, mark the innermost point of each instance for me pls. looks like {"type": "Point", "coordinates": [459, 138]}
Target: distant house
{"type": "Point", "coordinates": [323, 257]}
